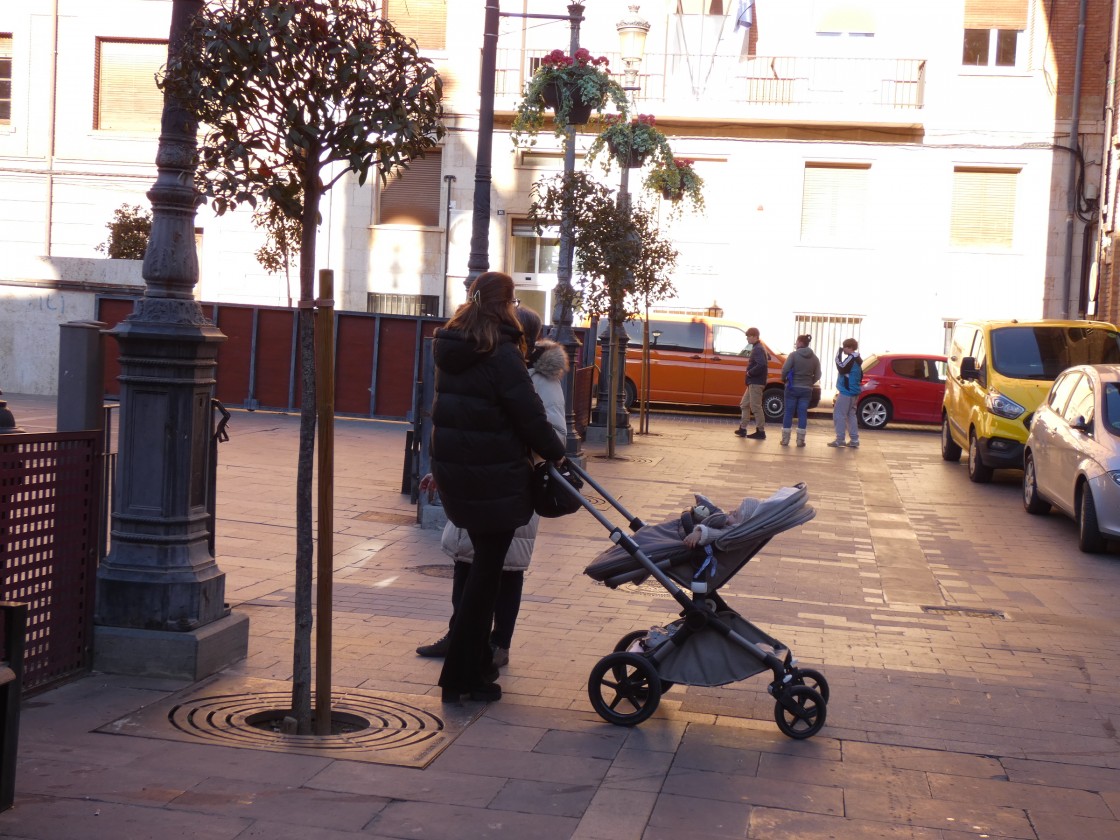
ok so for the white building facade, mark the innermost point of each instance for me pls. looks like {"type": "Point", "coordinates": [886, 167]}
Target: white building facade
{"type": "Point", "coordinates": [882, 167]}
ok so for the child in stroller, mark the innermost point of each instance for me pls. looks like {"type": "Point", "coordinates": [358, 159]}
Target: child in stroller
{"type": "Point", "coordinates": [709, 644]}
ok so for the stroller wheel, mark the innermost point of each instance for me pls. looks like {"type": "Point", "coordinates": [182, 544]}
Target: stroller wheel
{"type": "Point", "coordinates": [814, 679]}
{"type": "Point", "coordinates": [799, 712]}
{"type": "Point", "coordinates": [625, 644]}
{"type": "Point", "coordinates": [624, 688]}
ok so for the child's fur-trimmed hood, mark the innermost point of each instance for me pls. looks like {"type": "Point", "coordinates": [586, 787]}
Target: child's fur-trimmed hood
{"type": "Point", "coordinates": [549, 360]}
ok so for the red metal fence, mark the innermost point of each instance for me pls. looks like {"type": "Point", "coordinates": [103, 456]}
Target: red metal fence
{"type": "Point", "coordinates": [377, 357]}
{"type": "Point", "coordinates": [50, 486]}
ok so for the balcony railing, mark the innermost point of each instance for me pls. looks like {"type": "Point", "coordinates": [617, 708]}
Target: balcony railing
{"type": "Point", "coordinates": [683, 82]}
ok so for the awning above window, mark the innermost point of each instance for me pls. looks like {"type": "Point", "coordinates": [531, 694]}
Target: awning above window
{"type": "Point", "coordinates": [995, 14]}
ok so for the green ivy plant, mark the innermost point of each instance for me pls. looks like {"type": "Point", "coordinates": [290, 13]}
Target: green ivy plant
{"type": "Point", "coordinates": [622, 138]}
{"type": "Point", "coordinates": [580, 76]}
{"type": "Point", "coordinates": [678, 182]}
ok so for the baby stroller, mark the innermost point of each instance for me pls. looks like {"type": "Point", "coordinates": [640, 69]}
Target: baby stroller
{"type": "Point", "coordinates": [709, 644]}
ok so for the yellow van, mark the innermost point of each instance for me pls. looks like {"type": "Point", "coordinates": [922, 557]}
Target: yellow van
{"type": "Point", "coordinates": [999, 372]}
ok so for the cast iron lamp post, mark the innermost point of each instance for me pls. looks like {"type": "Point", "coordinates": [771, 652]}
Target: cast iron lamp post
{"type": "Point", "coordinates": [160, 594]}
{"type": "Point", "coordinates": [632, 32]}
{"type": "Point", "coordinates": [479, 260]}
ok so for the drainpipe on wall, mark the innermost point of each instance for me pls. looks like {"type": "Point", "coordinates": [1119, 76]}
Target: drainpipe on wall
{"type": "Point", "coordinates": [1073, 199]}
{"type": "Point", "coordinates": [445, 302]}
{"type": "Point", "coordinates": [1107, 211]}
{"type": "Point", "coordinates": [52, 104]}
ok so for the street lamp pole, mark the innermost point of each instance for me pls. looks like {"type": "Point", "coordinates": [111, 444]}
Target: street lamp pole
{"type": "Point", "coordinates": [632, 32]}
{"type": "Point", "coordinates": [160, 606]}
{"type": "Point", "coordinates": [479, 260]}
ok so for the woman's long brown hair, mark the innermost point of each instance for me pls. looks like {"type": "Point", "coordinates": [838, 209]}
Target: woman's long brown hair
{"type": "Point", "coordinates": [489, 305]}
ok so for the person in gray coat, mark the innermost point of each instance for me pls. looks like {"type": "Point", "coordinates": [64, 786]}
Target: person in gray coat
{"type": "Point", "coordinates": [800, 370]}
{"type": "Point", "coordinates": [547, 363]}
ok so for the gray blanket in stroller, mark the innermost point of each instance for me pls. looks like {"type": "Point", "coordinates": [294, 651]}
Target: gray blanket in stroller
{"type": "Point", "coordinates": [734, 538]}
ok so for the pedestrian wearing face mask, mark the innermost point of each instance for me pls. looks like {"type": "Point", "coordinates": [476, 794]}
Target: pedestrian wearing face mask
{"type": "Point", "coordinates": [751, 404]}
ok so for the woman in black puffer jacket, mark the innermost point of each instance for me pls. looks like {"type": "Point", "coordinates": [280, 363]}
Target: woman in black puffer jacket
{"type": "Point", "coordinates": [486, 419]}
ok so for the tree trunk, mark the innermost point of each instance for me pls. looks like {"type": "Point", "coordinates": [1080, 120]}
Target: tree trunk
{"type": "Point", "coordinates": [305, 544]}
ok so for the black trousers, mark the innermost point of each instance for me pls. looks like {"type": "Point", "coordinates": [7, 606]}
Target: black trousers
{"type": "Point", "coordinates": [468, 657]}
{"type": "Point", "coordinates": [506, 608]}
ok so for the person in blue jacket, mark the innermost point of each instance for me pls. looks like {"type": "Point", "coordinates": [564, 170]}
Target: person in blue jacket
{"type": "Point", "coordinates": [849, 382]}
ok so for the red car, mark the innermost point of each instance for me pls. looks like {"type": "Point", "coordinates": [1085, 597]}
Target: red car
{"type": "Point", "coordinates": [905, 388]}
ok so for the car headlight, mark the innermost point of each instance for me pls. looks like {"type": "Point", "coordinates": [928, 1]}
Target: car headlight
{"type": "Point", "coordinates": [1115, 476]}
{"type": "Point", "coordinates": [1003, 406]}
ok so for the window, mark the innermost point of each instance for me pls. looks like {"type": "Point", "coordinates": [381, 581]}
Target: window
{"type": "Point", "coordinates": [126, 97]}
{"type": "Point", "coordinates": [992, 31]}
{"type": "Point", "coordinates": [729, 341]}
{"type": "Point", "coordinates": [1080, 402]}
{"type": "Point", "coordinates": [1059, 395]}
{"type": "Point", "coordinates": [533, 254]}
{"type": "Point", "coordinates": [983, 211]}
{"type": "Point", "coordinates": [425, 21]}
{"type": "Point", "coordinates": [5, 79]}
{"type": "Point", "coordinates": [672, 335]}
{"type": "Point", "coordinates": [389, 304]}
{"type": "Point", "coordinates": [834, 203]}
{"type": "Point", "coordinates": [836, 18]}
{"type": "Point", "coordinates": [1110, 400]}
{"type": "Point", "coordinates": [411, 196]}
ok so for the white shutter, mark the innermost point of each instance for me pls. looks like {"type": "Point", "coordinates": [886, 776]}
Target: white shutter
{"type": "Point", "coordinates": [411, 196]}
{"type": "Point", "coordinates": [127, 98]}
{"type": "Point", "coordinates": [995, 14]}
{"type": "Point", "coordinates": [983, 207]}
{"type": "Point", "coordinates": [834, 203]}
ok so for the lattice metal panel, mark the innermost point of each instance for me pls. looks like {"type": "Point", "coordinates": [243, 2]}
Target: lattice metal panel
{"type": "Point", "coordinates": [49, 506]}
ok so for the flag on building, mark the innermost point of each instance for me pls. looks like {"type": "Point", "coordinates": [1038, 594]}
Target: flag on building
{"type": "Point", "coordinates": [744, 17]}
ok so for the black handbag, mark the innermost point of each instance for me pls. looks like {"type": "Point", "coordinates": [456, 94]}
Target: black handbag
{"type": "Point", "coordinates": [550, 499]}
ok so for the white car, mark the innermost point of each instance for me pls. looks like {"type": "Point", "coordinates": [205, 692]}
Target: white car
{"type": "Point", "coordinates": [1072, 455]}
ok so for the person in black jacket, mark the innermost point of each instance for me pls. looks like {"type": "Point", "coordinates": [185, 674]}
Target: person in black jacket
{"type": "Point", "coordinates": [486, 419]}
{"type": "Point", "coordinates": [758, 367]}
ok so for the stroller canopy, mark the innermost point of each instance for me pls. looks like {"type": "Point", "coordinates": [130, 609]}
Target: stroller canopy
{"type": "Point", "coordinates": [663, 546]}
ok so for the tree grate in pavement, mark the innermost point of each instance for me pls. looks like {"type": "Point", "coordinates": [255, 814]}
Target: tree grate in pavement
{"type": "Point", "coordinates": [395, 729]}
{"type": "Point", "coordinates": [967, 612]}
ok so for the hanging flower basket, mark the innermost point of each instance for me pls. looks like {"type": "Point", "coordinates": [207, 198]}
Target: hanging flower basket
{"type": "Point", "coordinates": [630, 143]}
{"type": "Point", "coordinates": [579, 111]}
{"type": "Point", "coordinates": [677, 180]}
{"type": "Point", "coordinates": [626, 156]}
{"type": "Point", "coordinates": [572, 87]}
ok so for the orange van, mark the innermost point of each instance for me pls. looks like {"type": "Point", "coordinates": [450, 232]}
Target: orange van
{"type": "Point", "coordinates": [697, 360]}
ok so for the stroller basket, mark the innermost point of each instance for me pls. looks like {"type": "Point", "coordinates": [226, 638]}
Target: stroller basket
{"type": "Point", "coordinates": [709, 644]}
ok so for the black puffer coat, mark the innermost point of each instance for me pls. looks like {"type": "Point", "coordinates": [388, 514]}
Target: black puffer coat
{"type": "Point", "coordinates": [485, 420]}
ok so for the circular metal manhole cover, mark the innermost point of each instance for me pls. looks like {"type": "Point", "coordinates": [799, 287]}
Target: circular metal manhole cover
{"type": "Point", "coordinates": [231, 720]}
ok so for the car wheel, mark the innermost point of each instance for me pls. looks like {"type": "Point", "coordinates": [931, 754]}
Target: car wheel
{"type": "Point", "coordinates": [1089, 536]}
{"type": "Point", "coordinates": [978, 471]}
{"type": "Point", "coordinates": [630, 391]}
{"type": "Point", "coordinates": [774, 405]}
{"type": "Point", "coordinates": [1033, 502]}
{"type": "Point", "coordinates": [949, 449]}
{"type": "Point", "coordinates": [873, 413]}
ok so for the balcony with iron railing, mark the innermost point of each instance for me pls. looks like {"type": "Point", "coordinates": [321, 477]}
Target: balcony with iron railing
{"type": "Point", "coordinates": [787, 89]}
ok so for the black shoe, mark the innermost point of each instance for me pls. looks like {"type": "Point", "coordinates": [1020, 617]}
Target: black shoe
{"type": "Point", "coordinates": [435, 649]}
{"type": "Point", "coordinates": [486, 693]}
{"type": "Point", "coordinates": [758, 434]}
{"type": "Point", "coordinates": [741, 432]}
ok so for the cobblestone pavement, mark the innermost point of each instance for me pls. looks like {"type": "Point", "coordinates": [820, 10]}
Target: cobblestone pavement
{"type": "Point", "coordinates": [973, 655]}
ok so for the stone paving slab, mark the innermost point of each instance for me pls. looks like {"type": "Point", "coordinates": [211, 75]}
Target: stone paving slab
{"type": "Point", "coordinates": [972, 653]}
